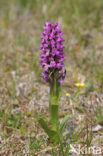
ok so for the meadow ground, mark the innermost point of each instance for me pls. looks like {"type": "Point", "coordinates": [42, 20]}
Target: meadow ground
{"type": "Point", "coordinates": [23, 95]}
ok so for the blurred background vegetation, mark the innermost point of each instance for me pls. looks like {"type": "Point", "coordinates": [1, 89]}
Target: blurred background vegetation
{"type": "Point", "coordinates": [81, 20]}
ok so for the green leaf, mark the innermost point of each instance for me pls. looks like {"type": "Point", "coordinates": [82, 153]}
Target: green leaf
{"type": "Point", "coordinates": [52, 134]}
{"type": "Point", "coordinates": [65, 133]}
{"type": "Point", "coordinates": [63, 122]}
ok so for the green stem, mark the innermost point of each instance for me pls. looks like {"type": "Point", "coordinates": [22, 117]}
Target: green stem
{"type": "Point", "coordinates": [54, 116]}
{"type": "Point", "coordinates": [53, 105]}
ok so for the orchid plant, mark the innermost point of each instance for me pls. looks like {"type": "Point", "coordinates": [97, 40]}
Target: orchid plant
{"type": "Point", "coordinates": [52, 62]}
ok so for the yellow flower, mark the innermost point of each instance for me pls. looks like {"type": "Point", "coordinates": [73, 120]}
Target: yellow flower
{"type": "Point", "coordinates": [80, 84]}
{"type": "Point", "coordinates": [67, 94]}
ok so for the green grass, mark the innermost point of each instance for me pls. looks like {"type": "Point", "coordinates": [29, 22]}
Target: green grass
{"type": "Point", "coordinates": [99, 115]}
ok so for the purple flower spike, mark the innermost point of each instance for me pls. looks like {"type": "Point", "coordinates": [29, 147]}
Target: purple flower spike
{"type": "Point", "coordinates": [52, 55]}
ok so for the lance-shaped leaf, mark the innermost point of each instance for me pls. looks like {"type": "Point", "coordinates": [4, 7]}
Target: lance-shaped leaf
{"type": "Point", "coordinates": [63, 122]}
{"type": "Point", "coordinates": [51, 134]}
